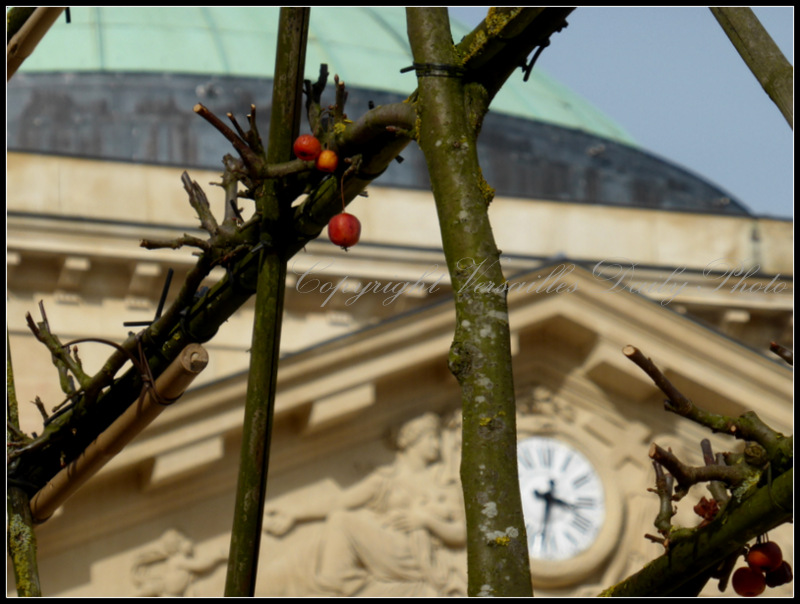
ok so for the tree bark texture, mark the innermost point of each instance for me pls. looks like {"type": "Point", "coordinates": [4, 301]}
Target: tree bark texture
{"type": "Point", "coordinates": [761, 54]}
{"type": "Point", "coordinates": [257, 431]}
{"type": "Point", "coordinates": [480, 356]}
{"type": "Point", "coordinates": [265, 349]}
{"type": "Point", "coordinates": [22, 543]}
{"type": "Point", "coordinates": [20, 533]}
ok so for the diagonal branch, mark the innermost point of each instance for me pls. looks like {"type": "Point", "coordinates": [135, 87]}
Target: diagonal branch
{"type": "Point", "coordinates": [747, 426]}
{"type": "Point", "coordinates": [30, 30]}
{"type": "Point", "coordinates": [761, 54]}
{"type": "Point", "coordinates": [247, 154]}
{"type": "Point", "coordinates": [60, 353]}
{"type": "Point", "coordinates": [783, 352]}
{"type": "Point", "coordinates": [769, 507]}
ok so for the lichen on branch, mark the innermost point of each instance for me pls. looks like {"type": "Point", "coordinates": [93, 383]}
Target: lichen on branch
{"type": "Point", "coordinates": [750, 490]}
{"type": "Point", "coordinates": [480, 356]}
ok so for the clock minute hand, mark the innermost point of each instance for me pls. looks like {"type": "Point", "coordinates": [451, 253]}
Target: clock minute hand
{"type": "Point", "coordinates": [561, 502]}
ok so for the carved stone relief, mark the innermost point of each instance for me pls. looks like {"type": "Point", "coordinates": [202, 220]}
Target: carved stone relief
{"type": "Point", "coordinates": [542, 400]}
{"type": "Point", "coordinates": [170, 567]}
{"type": "Point", "coordinates": [400, 531]}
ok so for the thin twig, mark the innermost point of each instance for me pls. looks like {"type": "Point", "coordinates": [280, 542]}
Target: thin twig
{"type": "Point", "coordinates": [199, 201]}
{"type": "Point", "coordinates": [174, 244]}
{"type": "Point", "coordinates": [253, 136]}
{"type": "Point", "coordinates": [242, 133]}
{"type": "Point", "coordinates": [747, 426]}
{"type": "Point", "coordinates": [37, 402]}
{"type": "Point", "coordinates": [666, 511]}
{"type": "Point", "coordinates": [679, 403]}
{"type": "Point", "coordinates": [686, 475]}
{"type": "Point", "coordinates": [59, 353]}
{"type": "Point", "coordinates": [230, 184]}
{"type": "Point", "coordinates": [249, 157]}
{"type": "Point", "coordinates": [783, 352]}
{"type": "Point", "coordinates": [341, 97]}
{"type": "Point", "coordinates": [314, 99]}
{"type": "Point", "coordinates": [715, 487]}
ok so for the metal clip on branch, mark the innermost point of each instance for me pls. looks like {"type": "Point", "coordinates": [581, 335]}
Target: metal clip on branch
{"type": "Point", "coordinates": [437, 70]}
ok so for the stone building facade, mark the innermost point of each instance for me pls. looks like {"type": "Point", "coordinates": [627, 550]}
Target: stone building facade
{"type": "Point", "coordinates": [367, 432]}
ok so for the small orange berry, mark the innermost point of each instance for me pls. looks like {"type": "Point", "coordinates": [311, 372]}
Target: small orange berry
{"type": "Point", "coordinates": [327, 161]}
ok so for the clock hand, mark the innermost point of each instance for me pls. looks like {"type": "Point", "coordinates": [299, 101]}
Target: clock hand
{"type": "Point", "coordinates": [548, 503]}
{"type": "Point", "coordinates": [545, 524]}
{"type": "Point", "coordinates": [550, 497]}
{"type": "Point", "coordinates": [561, 502]}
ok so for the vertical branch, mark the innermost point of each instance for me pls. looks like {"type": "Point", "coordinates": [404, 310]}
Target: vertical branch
{"type": "Point", "coordinates": [21, 537]}
{"type": "Point", "coordinates": [287, 91]}
{"type": "Point", "coordinates": [761, 54]}
{"type": "Point", "coordinates": [264, 352]}
{"type": "Point", "coordinates": [480, 356]}
{"type": "Point", "coordinates": [22, 543]}
{"type": "Point", "coordinates": [257, 431]}
{"type": "Point", "coordinates": [12, 408]}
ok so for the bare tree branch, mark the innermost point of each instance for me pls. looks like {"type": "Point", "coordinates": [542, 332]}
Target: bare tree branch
{"type": "Point", "coordinates": [761, 54]}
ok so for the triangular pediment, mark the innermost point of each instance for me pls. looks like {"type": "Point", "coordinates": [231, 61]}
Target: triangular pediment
{"type": "Point", "coordinates": [340, 403]}
{"type": "Point", "coordinates": [565, 323]}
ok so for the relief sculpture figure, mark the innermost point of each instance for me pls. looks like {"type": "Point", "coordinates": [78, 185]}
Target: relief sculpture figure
{"type": "Point", "coordinates": [170, 568]}
{"type": "Point", "coordinates": [398, 532]}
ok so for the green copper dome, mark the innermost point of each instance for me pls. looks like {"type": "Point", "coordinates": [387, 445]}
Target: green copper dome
{"type": "Point", "coordinates": [367, 47]}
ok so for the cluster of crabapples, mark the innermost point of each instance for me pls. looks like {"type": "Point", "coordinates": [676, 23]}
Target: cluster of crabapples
{"type": "Point", "coordinates": [765, 568]}
{"type": "Point", "coordinates": [343, 229]}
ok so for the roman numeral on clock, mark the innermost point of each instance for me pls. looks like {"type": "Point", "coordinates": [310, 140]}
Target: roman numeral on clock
{"type": "Point", "coordinates": [581, 480]}
{"type": "Point", "coordinates": [526, 459]}
{"type": "Point", "coordinates": [581, 523]}
{"type": "Point", "coordinates": [585, 502]}
{"type": "Point", "coordinates": [546, 456]}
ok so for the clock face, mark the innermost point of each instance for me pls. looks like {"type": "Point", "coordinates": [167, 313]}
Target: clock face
{"type": "Point", "coordinates": [563, 500]}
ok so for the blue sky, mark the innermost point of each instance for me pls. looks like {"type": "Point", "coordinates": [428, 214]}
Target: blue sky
{"type": "Point", "coordinates": [674, 81]}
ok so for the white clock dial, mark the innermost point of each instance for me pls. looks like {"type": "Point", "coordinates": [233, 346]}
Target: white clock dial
{"type": "Point", "coordinates": [563, 500]}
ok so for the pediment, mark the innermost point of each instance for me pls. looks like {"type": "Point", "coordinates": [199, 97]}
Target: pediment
{"type": "Point", "coordinates": [354, 388]}
{"type": "Point", "coordinates": [340, 403]}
